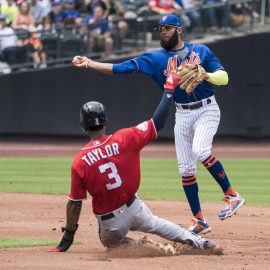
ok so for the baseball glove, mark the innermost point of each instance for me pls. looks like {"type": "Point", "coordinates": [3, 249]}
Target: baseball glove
{"type": "Point", "coordinates": [190, 76]}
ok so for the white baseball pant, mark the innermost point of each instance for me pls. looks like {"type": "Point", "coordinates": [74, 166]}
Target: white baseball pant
{"type": "Point", "coordinates": [138, 217]}
{"type": "Point", "coordinates": [194, 131]}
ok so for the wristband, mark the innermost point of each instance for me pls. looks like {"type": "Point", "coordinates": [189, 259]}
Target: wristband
{"type": "Point", "coordinates": [168, 93]}
{"type": "Point", "coordinates": [87, 63]}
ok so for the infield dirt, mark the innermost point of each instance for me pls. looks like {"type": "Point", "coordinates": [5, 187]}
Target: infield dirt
{"type": "Point", "coordinates": [244, 238]}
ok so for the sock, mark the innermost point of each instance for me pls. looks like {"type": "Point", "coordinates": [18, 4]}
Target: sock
{"type": "Point", "coordinates": [231, 192]}
{"type": "Point", "coordinates": [192, 193]}
{"type": "Point", "coordinates": [214, 166]}
{"type": "Point", "coordinates": [199, 216]}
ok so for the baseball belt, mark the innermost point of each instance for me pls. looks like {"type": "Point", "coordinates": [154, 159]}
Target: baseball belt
{"type": "Point", "coordinates": [193, 106]}
{"type": "Point", "coordinates": [111, 215]}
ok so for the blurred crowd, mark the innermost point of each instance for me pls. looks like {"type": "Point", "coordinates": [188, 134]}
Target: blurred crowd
{"type": "Point", "coordinates": [211, 19]}
{"type": "Point", "coordinates": [28, 27]}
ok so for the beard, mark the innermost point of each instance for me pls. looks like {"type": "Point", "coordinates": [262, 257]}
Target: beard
{"type": "Point", "coordinates": [171, 42]}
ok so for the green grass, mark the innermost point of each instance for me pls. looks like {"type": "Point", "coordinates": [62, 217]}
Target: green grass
{"type": "Point", "coordinates": [160, 178]}
{"type": "Point", "coordinates": [35, 175]}
{"type": "Point", "coordinates": [250, 177]}
{"type": "Point", "coordinates": [25, 242]}
{"type": "Point", "coordinates": [28, 242]}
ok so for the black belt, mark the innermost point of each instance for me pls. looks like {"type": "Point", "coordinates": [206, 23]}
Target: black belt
{"type": "Point", "coordinates": [111, 215]}
{"type": "Point", "coordinates": [193, 106]}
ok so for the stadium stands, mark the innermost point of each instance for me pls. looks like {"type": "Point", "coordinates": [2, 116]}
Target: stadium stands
{"type": "Point", "coordinates": [130, 26]}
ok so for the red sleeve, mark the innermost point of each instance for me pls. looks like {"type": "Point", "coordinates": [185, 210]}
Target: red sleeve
{"type": "Point", "coordinates": [77, 187]}
{"type": "Point", "coordinates": [139, 136]}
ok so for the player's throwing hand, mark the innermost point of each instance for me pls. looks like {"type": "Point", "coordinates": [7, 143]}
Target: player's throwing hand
{"type": "Point", "coordinates": [80, 61]}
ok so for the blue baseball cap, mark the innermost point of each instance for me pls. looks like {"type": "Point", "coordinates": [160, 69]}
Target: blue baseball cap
{"type": "Point", "coordinates": [169, 20]}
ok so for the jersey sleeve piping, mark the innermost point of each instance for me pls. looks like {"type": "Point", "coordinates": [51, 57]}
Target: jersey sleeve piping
{"type": "Point", "coordinates": [77, 200]}
{"type": "Point", "coordinates": [154, 128]}
{"type": "Point", "coordinates": [93, 146]}
{"type": "Point", "coordinates": [138, 68]}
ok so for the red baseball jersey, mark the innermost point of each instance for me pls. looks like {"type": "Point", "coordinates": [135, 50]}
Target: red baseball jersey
{"type": "Point", "coordinates": [109, 167]}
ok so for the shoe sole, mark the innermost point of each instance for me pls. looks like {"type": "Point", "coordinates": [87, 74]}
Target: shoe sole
{"type": "Point", "coordinates": [234, 211]}
{"type": "Point", "coordinates": [207, 230]}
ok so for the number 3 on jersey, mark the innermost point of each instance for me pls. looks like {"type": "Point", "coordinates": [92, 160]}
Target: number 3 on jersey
{"type": "Point", "coordinates": [111, 175]}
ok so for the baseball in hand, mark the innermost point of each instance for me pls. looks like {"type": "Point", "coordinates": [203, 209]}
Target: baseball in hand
{"type": "Point", "coordinates": [76, 59]}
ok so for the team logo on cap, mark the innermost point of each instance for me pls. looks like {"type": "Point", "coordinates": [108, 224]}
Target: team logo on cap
{"type": "Point", "coordinates": [164, 18]}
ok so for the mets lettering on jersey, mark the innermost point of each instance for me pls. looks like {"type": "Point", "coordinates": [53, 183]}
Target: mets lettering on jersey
{"type": "Point", "coordinates": [176, 61]}
{"type": "Point", "coordinates": [159, 63]}
{"type": "Point", "coordinates": [109, 168]}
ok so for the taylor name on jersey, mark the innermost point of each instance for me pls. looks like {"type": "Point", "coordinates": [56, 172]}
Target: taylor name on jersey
{"type": "Point", "coordinates": [97, 154]}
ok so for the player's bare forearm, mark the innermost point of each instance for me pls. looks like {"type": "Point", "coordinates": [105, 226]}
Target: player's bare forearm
{"type": "Point", "coordinates": [106, 68]}
{"type": "Point", "coordinates": [84, 62]}
{"type": "Point", "coordinates": [73, 214]}
{"type": "Point", "coordinates": [220, 77]}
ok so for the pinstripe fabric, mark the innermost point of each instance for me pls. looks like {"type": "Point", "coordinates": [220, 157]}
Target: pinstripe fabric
{"type": "Point", "coordinates": [194, 131]}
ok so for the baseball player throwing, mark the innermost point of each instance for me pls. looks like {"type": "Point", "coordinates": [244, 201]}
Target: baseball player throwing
{"type": "Point", "coordinates": [108, 168]}
{"type": "Point", "coordinates": [197, 112]}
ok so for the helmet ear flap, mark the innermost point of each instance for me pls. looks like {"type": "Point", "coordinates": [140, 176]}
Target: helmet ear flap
{"type": "Point", "coordinates": [92, 114]}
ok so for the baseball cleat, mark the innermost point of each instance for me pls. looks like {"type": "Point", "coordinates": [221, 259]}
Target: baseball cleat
{"type": "Point", "coordinates": [203, 244]}
{"type": "Point", "coordinates": [208, 245]}
{"type": "Point", "coordinates": [199, 227]}
{"type": "Point", "coordinates": [232, 204]}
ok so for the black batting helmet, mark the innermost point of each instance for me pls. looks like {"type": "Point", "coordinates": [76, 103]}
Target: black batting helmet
{"type": "Point", "coordinates": [92, 114]}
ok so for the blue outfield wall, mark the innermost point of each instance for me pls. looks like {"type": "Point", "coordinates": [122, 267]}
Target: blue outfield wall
{"type": "Point", "coordinates": [47, 101]}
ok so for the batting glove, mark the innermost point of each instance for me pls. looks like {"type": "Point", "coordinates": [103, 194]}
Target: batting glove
{"type": "Point", "coordinates": [66, 241]}
{"type": "Point", "coordinates": [172, 81]}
